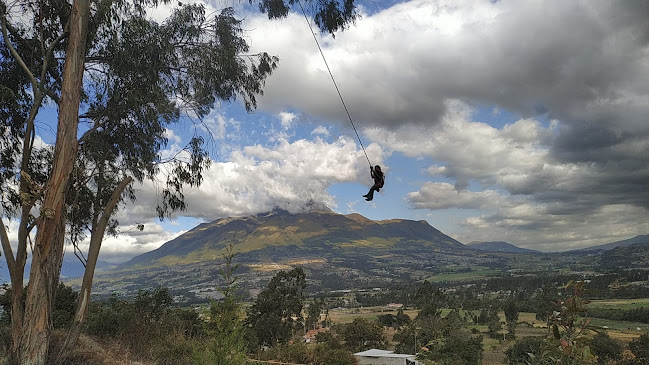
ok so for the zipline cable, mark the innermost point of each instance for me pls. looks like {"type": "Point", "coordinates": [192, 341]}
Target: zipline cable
{"type": "Point", "coordinates": [334, 81]}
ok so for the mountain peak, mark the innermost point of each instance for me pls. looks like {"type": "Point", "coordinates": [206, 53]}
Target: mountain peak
{"type": "Point", "coordinates": [314, 232]}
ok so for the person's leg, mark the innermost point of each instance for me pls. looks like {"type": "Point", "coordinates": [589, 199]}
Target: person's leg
{"type": "Point", "coordinates": [370, 194]}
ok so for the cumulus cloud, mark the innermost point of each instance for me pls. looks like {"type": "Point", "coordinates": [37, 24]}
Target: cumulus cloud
{"type": "Point", "coordinates": [321, 130]}
{"type": "Point", "coordinates": [579, 61]}
{"type": "Point", "coordinates": [289, 175]}
{"type": "Point", "coordinates": [286, 119]}
{"type": "Point", "coordinates": [530, 227]}
{"type": "Point", "coordinates": [512, 176]}
{"type": "Point", "coordinates": [444, 195]}
{"type": "Point", "coordinates": [130, 241]}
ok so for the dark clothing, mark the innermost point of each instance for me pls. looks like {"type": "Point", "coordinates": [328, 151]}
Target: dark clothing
{"type": "Point", "coordinates": [379, 178]}
{"type": "Point", "coordinates": [370, 194]}
{"type": "Point", "coordinates": [379, 181]}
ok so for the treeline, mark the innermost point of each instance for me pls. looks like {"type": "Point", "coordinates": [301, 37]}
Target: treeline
{"type": "Point", "coordinates": [524, 288]}
{"type": "Point", "coordinates": [632, 315]}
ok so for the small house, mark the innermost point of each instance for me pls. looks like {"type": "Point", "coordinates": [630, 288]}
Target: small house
{"type": "Point", "coordinates": [309, 337]}
{"type": "Point", "coordinates": [384, 357]}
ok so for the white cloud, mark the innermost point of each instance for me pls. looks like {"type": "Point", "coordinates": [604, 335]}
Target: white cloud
{"type": "Point", "coordinates": [580, 61]}
{"type": "Point", "coordinates": [129, 242]}
{"type": "Point", "coordinates": [287, 119]}
{"type": "Point", "coordinates": [171, 136]}
{"type": "Point", "coordinates": [286, 175]}
{"type": "Point", "coordinates": [529, 227]}
{"type": "Point", "coordinates": [444, 196]}
{"type": "Point", "coordinates": [320, 130]}
{"type": "Point", "coordinates": [471, 151]}
{"type": "Point", "coordinates": [523, 192]}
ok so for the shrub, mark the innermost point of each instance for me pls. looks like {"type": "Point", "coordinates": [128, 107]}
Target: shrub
{"type": "Point", "coordinates": [640, 348]}
{"type": "Point", "coordinates": [519, 352]}
{"type": "Point", "coordinates": [605, 348]}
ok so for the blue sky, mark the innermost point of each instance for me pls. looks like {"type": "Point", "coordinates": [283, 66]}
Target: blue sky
{"type": "Point", "coordinates": [513, 121]}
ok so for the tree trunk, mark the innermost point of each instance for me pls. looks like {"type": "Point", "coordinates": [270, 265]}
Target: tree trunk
{"type": "Point", "coordinates": [37, 324]}
{"type": "Point", "coordinates": [34, 339]}
{"type": "Point", "coordinates": [96, 238]}
{"type": "Point", "coordinates": [16, 273]}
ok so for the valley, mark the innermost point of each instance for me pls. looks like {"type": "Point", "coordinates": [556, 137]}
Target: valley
{"type": "Point", "coordinates": [351, 253]}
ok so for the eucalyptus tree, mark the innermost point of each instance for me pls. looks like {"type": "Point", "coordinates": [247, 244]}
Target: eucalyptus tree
{"type": "Point", "coordinates": [278, 309]}
{"type": "Point", "coordinates": [118, 80]}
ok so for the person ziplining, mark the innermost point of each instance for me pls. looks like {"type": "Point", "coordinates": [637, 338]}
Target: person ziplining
{"type": "Point", "coordinates": [375, 171]}
{"type": "Point", "coordinates": [379, 181]}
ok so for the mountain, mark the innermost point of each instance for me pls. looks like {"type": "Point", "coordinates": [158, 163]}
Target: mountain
{"type": "Point", "coordinates": [609, 246]}
{"type": "Point", "coordinates": [70, 268]}
{"type": "Point", "coordinates": [626, 256]}
{"type": "Point", "coordinates": [498, 246]}
{"type": "Point", "coordinates": [279, 235]}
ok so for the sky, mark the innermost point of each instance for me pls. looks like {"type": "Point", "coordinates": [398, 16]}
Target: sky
{"type": "Point", "coordinates": [517, 121]}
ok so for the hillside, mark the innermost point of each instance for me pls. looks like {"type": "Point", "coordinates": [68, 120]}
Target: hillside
{"type": "Point", "coordinates": [337, 251]}
{"type": "Point", "coordinates": [609, 246]}
{"type": "Point", "coordinates": [627, 256]}
{"type": "Point", "coordinates": [279, 234]}
{"type": "Point", "coordinates": [498, 246]}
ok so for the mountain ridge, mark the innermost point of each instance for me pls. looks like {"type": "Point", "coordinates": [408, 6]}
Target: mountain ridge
{"type": "Point", "coordinates": [498, 246]}
{"type": "Point", "coordinates": [316, 230]}
{"type": "Point", "coordinates": [644, 238]}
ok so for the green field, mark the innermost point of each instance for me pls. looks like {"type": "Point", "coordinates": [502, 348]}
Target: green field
{"type": "Point", "coordinates": [481, 273]}
{"type": "Point", "coordinates": [619, 303]}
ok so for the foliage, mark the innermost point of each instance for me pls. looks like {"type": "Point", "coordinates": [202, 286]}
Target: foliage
{"type": "Point", "coordinates": [456, 349]}
{"type": "Point", "coordinates": [545, 303]}
{"type": "Point", "coordinates": [390, 320]}
{"type": "Point", "coordinates": [329, 339]}
{"type": "Point", "coordinates": [226, 330]}
{"type": "Point", "coordinates": [639, 314]}
{"type": "Point", "coordinates": [640, 348]}
{"type": "Point", "coordinates": [193, 59]}
{"type": "Point", "coordinates": [511, 316]}
{"type": "Point", "coordinates": [419, 332]}
{"type": "Point", "coordinates": [605, 348]}
{"type": "Point", "coordinates": [489, 316]}
{"type": "Point", "coordinates": [525, 351]}
{"type": "Point", "coordinates": [313, 313]}
{"type": "Point", "coordinates": [322, 354]}
{"type": "Point", "coordinates": [147, 326]}
{"type": "Point", "coordinates": [64, 306]}
{"type": "Point", "coordinates": [362, 335]}
{"type": "Point", "coordinates": [271, 316]}
{"type": "Point", "coordinates": [226, 327]}
{"type": "Point", "coordinates": [427, 327]}
{"type": "Point", "coordinates": [300, 353]}
{"type": "Point", "coordinates": [569, 328]}
{"type": "Point", "coordinates": [62, 311]}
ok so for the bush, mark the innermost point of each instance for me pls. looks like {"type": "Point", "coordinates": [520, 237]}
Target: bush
{"type": "Point", "coordinates": [295, 353]}
{"type": "Point", "coordinates": [300, 353]}
{"type": "Point", "coordinates": [323, 355]}
{"type": "Point", "coordinates": [640, 348]}
{"type": "Point", "coordinates": [148, 327]}
{"type": "Point", "coordinates": [458, 348]}
{"type": "Point", "coordinates": [519, 352]}
{"type": "Point", "coordinates": [605, 348]}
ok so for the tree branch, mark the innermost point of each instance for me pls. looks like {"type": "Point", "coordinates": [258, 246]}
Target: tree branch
{"type": "Point", "coordinates": [32, 79]}
{"type": "Point", "coordinates": [6, 247]}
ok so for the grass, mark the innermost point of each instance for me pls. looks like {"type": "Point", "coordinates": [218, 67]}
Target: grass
{"type": "Point", "coordinates": [619, 303]}
{"type": "Point", "coordinates": [463, 276]}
